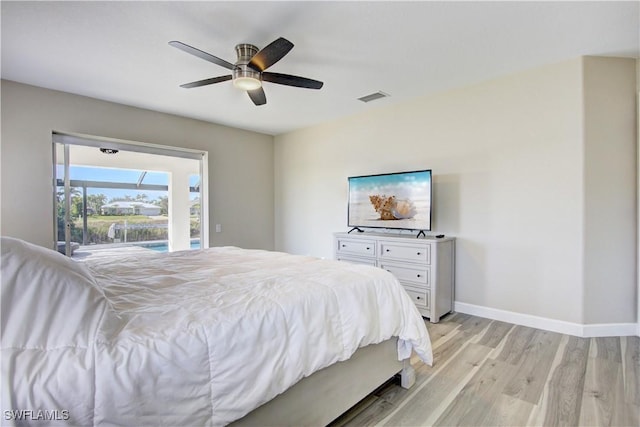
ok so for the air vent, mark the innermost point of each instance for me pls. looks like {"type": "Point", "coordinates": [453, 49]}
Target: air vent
{"type": "Point", "coordinates": [373, 96]}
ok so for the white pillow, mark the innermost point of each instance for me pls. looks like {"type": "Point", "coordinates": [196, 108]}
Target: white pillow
{"type": "Point", "coordinates": [48, 300]}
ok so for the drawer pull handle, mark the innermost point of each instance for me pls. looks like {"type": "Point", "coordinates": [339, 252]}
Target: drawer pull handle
{"type": "Point", "coordinates": [344, 246]}
{"type": "Point", "coordinates": [417, 297]}
{"type": "Point", "coordinates": [388, 250]}
{"type": "Point", "coordinates": [418, 253]}
{"type": "Point", "coordinates": [368, 248]}
{"type": "Point", "coordinates": [418, 275]}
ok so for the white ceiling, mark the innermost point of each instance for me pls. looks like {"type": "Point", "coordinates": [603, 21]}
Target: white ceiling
{"type": "Point", "coordinates": [118, 51]}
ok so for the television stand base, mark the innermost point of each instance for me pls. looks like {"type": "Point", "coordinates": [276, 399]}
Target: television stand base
{"type": "Point", "coordinates": [356, 228]}
{"type": "Point", "coordinates": [421, 232]}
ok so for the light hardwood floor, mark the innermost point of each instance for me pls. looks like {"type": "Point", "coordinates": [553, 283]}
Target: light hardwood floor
{"type": "Point", "coordinates": [491, 373]}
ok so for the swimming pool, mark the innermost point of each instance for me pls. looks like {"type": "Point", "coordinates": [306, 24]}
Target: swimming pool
{"type": "Point", "coordinates": [164, 246]}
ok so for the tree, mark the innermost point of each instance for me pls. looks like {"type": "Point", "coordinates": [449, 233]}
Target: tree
{"type": "Point", "coordinates": [95, 202]}
{"type": "Point", "coordinates": [76, 206]}
{"type": "Point", "coordinates": [163, 202]}
{"type": "Point", "coordinates": [60, 208]}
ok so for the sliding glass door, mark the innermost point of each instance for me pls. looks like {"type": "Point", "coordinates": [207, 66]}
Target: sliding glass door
{"type": "Point", "coordinates": [112, 194]}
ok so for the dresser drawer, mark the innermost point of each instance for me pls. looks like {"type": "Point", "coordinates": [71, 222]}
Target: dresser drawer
{"type": "Point", "coordinates": [356, 247]}
{"type": "Point", "coordinates": [408, 273]}
{"type": "Point", "coordinates": [405, 251]}
{"type": "Point", "coordinates": [356, 260]}
{"type": "Point", "coordinates": [419, 297]}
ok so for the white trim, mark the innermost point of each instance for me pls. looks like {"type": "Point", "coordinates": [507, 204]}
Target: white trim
{"type": "Point", "coordinates": [204, 201]}
{"type": "Point", "coordinates": [122, 144]}
{"type": "Point", "coordinates": [610, 330]}
{"type": "Point", "coordinates": [569, 328]}
{"type": "Point", "coordinates": [638, 197]}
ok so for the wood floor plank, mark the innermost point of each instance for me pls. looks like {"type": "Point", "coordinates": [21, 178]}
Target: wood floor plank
{"type": "Point", "coordinates": [608, 348]}
{"type": "Point", "coordinates": [443, 352]}
{"type": "Point", "coordinates": [508, 411]}
{"type": "Point", "coordinates": [517, 341]}
{"type": "Point", "coordinates": [630, 416]}
{"type": "Point", "coordinates": [495, 333]}
{"type": "Point", "coordinates": [417, 409]}
{"type": "Point", "coordinates": [481, 394]}
{"type": "Point", "coordinates": [603, 402]}
{"type": "Point", "coordinates": [631, 372]}
{"type": "Point", "coordinates": [441, 329]}
{"type": "Point", "coordinates": [533, 370]}
{"type": "Point", "coordinates": [459, 317]}
{"type": "Point", "coordinates": [474, 325]}
{"type": "Point", "coordinates": [566, 385]}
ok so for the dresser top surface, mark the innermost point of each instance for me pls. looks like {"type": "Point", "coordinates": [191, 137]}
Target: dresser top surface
{"type": "Point", "coordinates": [395, 236]}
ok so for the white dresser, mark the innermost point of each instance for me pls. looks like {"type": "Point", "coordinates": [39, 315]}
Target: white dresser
{"type": "Point", "coordinates": [424, 266]}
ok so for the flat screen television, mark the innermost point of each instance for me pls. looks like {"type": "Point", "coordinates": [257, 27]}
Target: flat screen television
{"type": "Point", "coordinates": [400, 200]}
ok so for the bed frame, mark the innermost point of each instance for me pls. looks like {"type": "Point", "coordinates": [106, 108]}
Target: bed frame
{"type": "Point", "coordinates": [324, 396]}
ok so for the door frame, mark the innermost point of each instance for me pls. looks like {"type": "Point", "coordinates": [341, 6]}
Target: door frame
{"type": "Point", "coordinates": [67, 139]}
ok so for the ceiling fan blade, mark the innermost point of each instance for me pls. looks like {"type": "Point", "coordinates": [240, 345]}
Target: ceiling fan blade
{"type": "Point", "coordinates": [257, 96]}
{"type": "Point", "coordinates": [201, 54]}
{"type": "Point", "coordinates": [206, 82]}
{"type": "Point", "coordinates": [270, 54]}
{"type": "Point", "coordinates": [289, 80]}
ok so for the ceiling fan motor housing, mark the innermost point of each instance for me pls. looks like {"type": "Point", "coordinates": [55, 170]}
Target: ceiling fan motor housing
{"type": "Point", "coordinates": [245, 52]}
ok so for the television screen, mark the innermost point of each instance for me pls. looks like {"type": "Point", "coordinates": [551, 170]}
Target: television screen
{"type": "Point", "coordinates": [395, 200]}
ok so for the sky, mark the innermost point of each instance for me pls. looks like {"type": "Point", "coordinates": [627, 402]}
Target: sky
{"type": "Point", "coordinates": [402, 185]}
{"type": "Point", "coordinates": [121, 175]}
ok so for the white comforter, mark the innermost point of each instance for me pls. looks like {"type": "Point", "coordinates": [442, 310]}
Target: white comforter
{"type": "Point", "coordinates": [187, 338]}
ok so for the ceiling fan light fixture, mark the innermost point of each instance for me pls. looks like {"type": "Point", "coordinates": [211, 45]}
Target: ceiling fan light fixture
{"type": "Point", "coordinates": [247, 83]}
{"type": "Point", "coordinates": [246, 78]}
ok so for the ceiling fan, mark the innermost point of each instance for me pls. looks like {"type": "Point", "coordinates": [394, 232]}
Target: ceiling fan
{"type": "Point", "coordinates": [248, 72]}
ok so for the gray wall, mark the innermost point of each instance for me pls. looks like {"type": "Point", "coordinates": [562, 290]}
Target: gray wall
{"type": "Point", "coordinates": [610, 160]}
{"type": "Point", "coordinates": [240, 162]}
{"type": "Point", "coordinates": [534, 173]}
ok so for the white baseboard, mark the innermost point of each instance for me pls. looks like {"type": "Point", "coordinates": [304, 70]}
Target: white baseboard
{"type": "Point", "coordinates": [569, 328]}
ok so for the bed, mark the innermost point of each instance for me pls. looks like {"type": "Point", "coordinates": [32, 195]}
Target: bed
{"type": "Point", "coordinates": [205, 337]}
